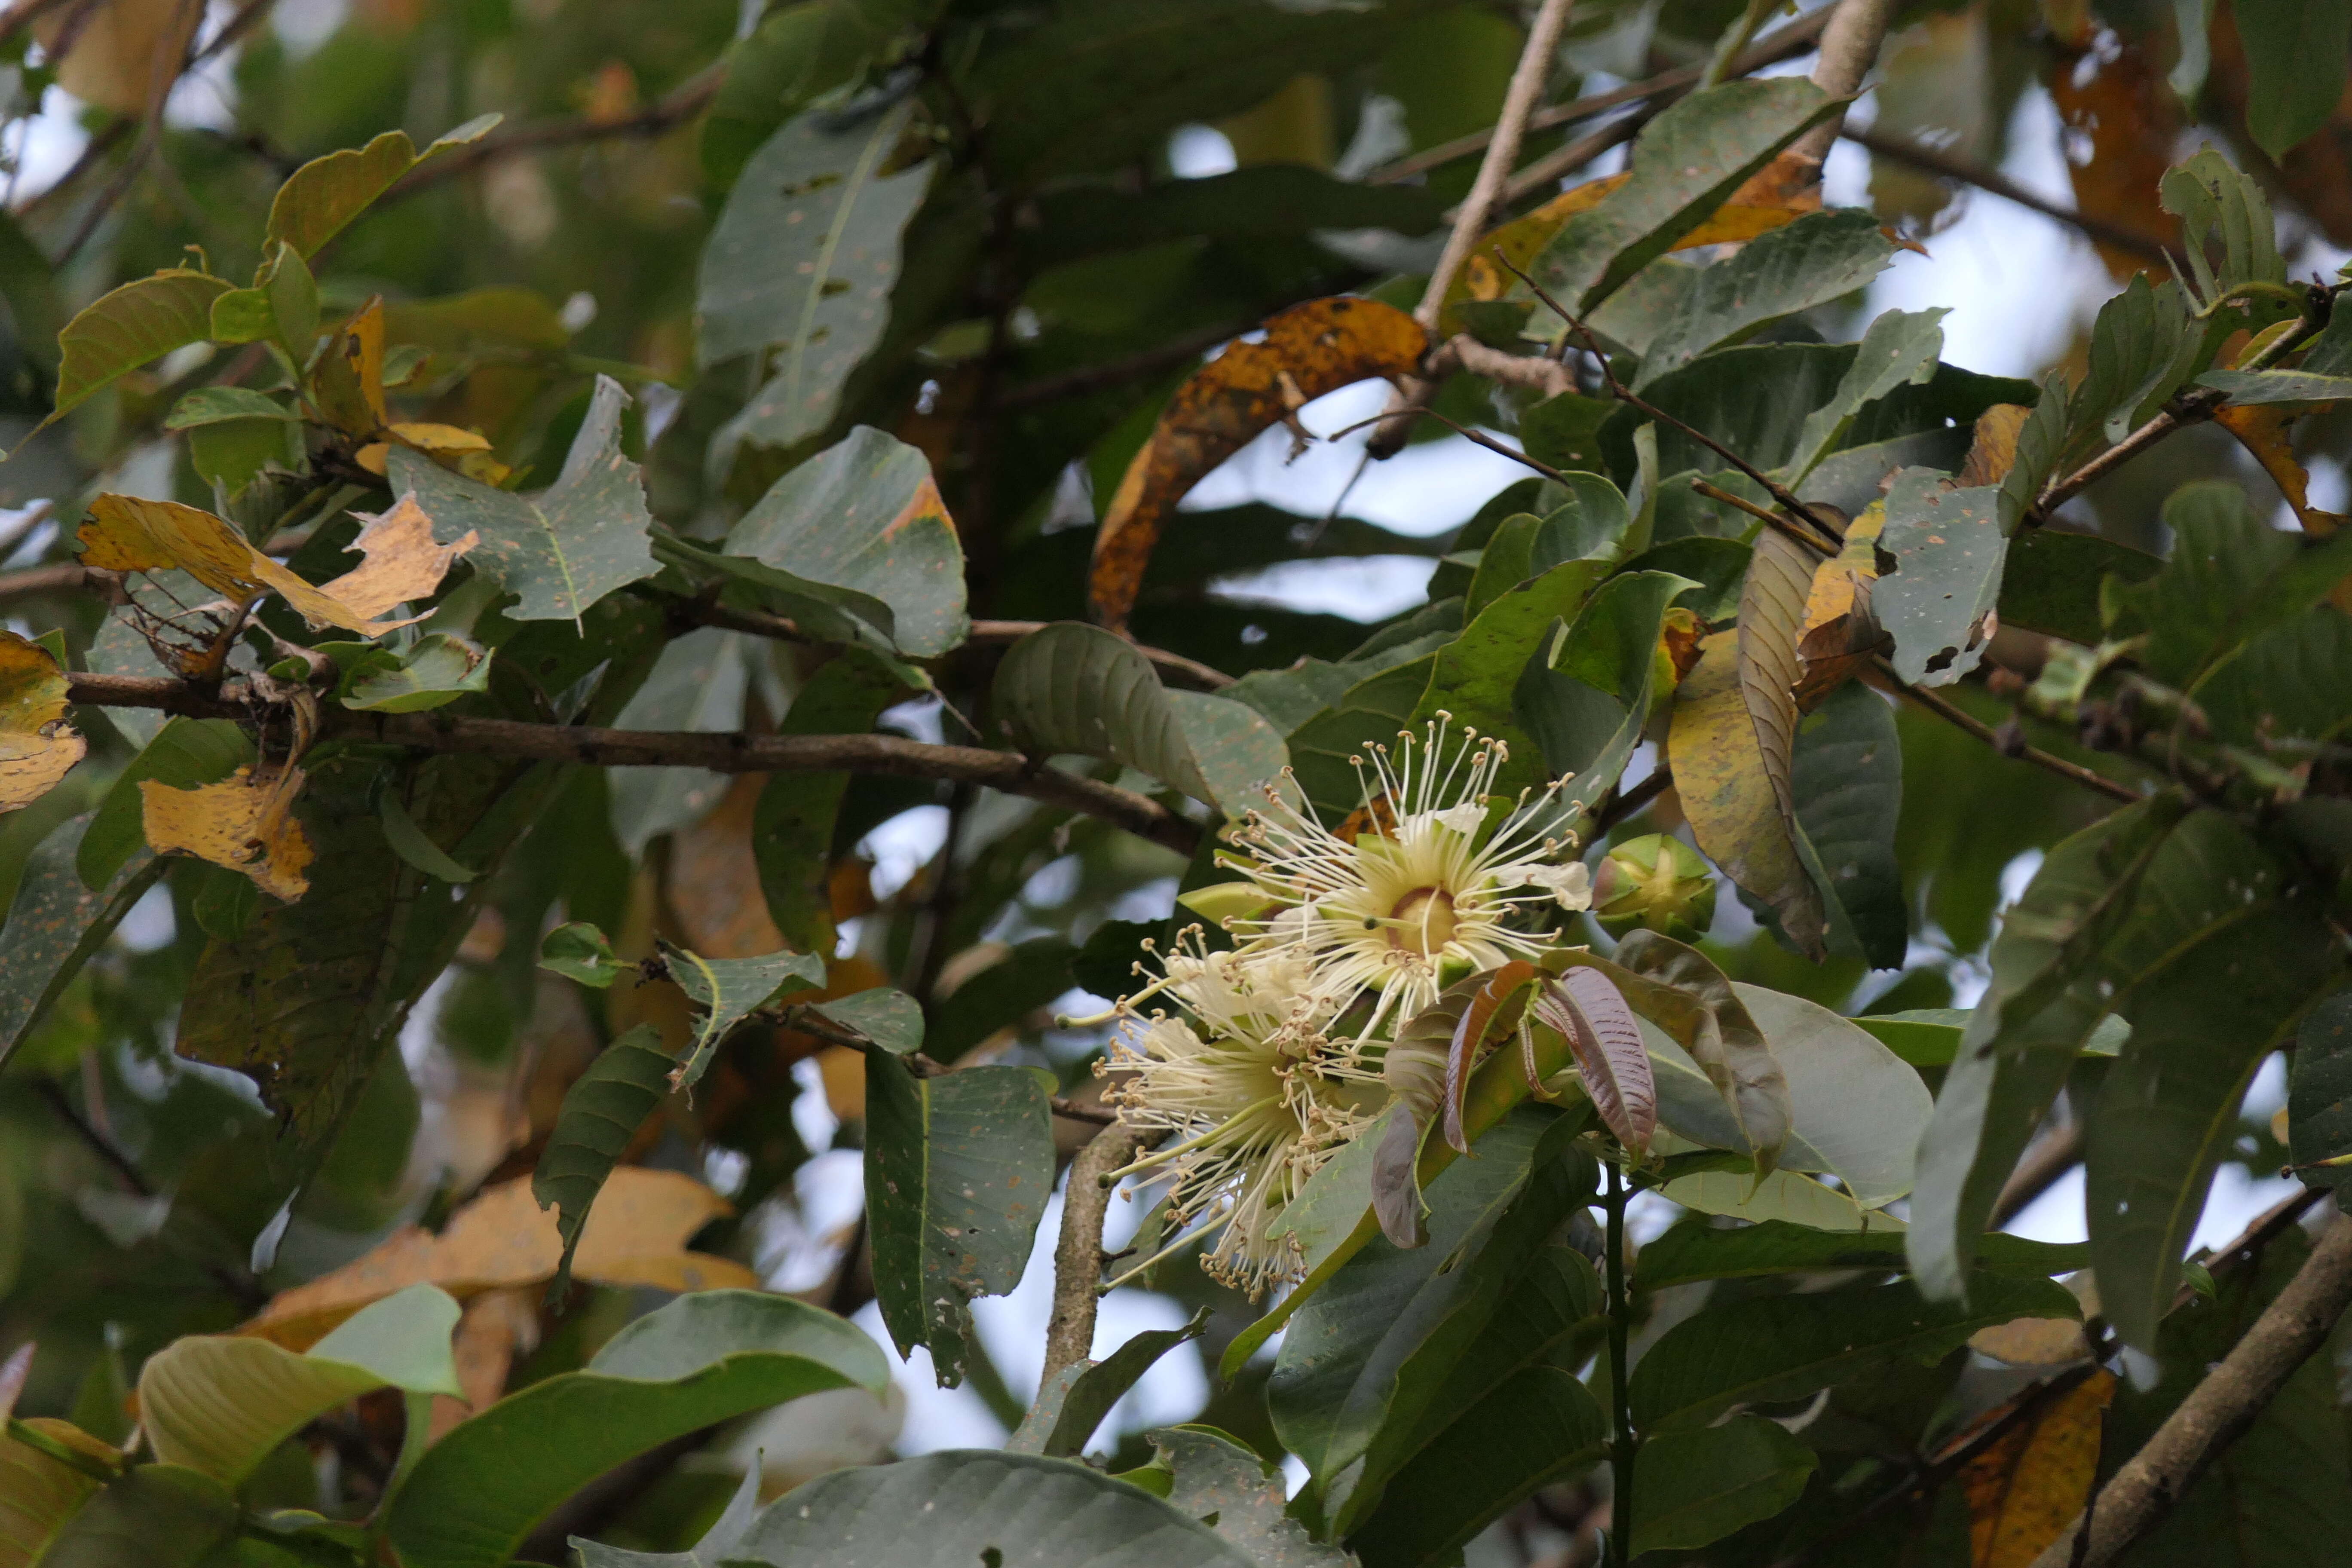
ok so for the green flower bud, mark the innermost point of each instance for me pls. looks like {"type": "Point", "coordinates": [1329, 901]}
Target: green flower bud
{"type": "Point", "coordinates": [1657, 882]}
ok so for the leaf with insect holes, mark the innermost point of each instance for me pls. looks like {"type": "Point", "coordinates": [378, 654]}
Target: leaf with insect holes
{"type": "Point", "coordinates": [38, 747]}
{"type": "Point", "coordinates": [1610, 1058]}
{"type": "Point", "coordinates": [1309, 349]}
{"type": "Point", "coordinates": [245, 823]}
{"type": "Point", "coordinates": [728, 989]}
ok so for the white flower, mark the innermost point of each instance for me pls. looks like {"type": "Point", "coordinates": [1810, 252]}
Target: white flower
{"type": "Point", "coordinates": [1254, 1101]}
{"type": "Point", "coordinates": [1426, 888]}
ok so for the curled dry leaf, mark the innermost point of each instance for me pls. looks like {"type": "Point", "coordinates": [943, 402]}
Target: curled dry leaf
{"type": "Point", "coordinates": [245, 823]}
{"type": "Point", "coordinates": [38, 747]}
{"type": "Point", "coordinates": [2028, 1487]}
{"type": "Point", "coordinates": [635, 1235]}
{"type": "Point", "coordinates": [124, 533]}
{"type": "Point", "coordinates": [1610, 1058]}
{"type": "Point", "coordinates": [1486, 1012]}
{"type": "Point", "coordinates": [1992, 448]}
{"type": "Point", "coordinates": [1309, 349]}
{"type": "Point", "coordinates": [402, 562]}
{"type": "Point", "coordinates": [1839, 633]}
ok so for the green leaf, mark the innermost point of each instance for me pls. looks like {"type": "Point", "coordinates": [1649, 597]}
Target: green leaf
{"type": "Point", "coordinates": [1378, 1342]}
{"type": "Point", "coordinates": [319, 199]}
{"type": "Point", "coordinates": [1698, 1250]}
{"type": "Point", "coordinates": [437, 671]}
{"type": "Point", "coordinates": [958, 1170]}
{"type": "Point", "coordinates": [1819, 257]}
{"type": "Point", "coordinates": [218, 405]}
{"type": "Point", "coordinates": [891, 1019]}
{"type": "Point", "coordinates": [2230, 578]}
{"type": "Point", "coordinates": [1695, 1487]}
{"type": "Point", "coordinates": [1539, 1428]}
{"type": "Point", "coordinates": [1564, 431]}
{"type": "Point", "coordinates": [1477, 676]}
{"type": "Point", "coordinates": [563, 549]}
{"type": "Point", "coordinates": [792, 825]}
{"type": "Point", "coordinates": [2143, 346]}
{"type": "Point", "coordinates": [157, 1516]}
{"type": "Point", "coordinates": [703, 1359]}
{"type": "Point", "coordinates": [946, 1509]}
{"type": "Point", "coordinates": [42, 1492]}
{"type": "Point", "coordinates": [219, 1403]}
{"type": "Point", "coordinates": [802, 261]}
{"type": "Point", "coordinates": [1069, 687]}
{"type": "Point", "coordinates": [143, 319]}
{"type": "Point", "coordinates": [1074, 1404]}
{"type": "Point", "coordinates": [1214, 1480]}
{"type": "Point", "coordinates": [1856, 1109]}
{"type": "Point", "coordinates": [409, 842]}
{"type": "Point", "coordinates": [1899, 350]}
{"type": "Point", "coordinates": [2041, 1006]}
{"type": "Point", "coordinates": [1847, 778]}
{"type": "Point", "coordinates": [2278, 386]}
{"type": "Point", "coordinates": [865, 515]}
{"type": "Point", "coordinates": [2218, 203]}
{"type": "Point", "coordinates": [1949, 551]}
{"type": "Point", "coordinates": [600, 1112]}
{"type": "Point", "coordinates": [2319, 1094]}
{"type": "Point", "coordinates": [580, 952]}
{"type": "Point", "coordinates": [1685, 165]}
{"type": "Point", "coordinates": [717, 1545]}
{"type": "Point", "coordinates": [1587, 703]}
{"type": "Point", "coordinates": [2295, 53]}
{"type": "Point", "coordinates": [184, 754]}
{"type": "Point", "coordinates": [1775, 1348]}
{"type": "Point", "coordinates": [2223, 954]}
{"type": "Point", "coordinates": [2051, 582]}
{"type": "Point", "coordinates": [56, 924]}
{"type": "Point", "coordinates": [1329, 1220]}
{"type": "Point", "coordinates": [728, 989]}
{"type": "Point", "coordinates": [1373, 710]}
{"type": "Point", "coordinates": [796, 55]}
{"type": "Point", "coordinates": [1923, 1036]}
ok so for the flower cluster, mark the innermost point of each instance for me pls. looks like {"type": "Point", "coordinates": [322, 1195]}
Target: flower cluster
{"type": "Point", "coordinates": [1272, 1058]}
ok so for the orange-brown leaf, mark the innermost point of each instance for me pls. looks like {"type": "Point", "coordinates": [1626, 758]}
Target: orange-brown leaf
{"type": "Point", "coordinates": [2264, 429]}
{"type": "Point", "coordinates": [2115, 100]}
{"type": "Point", "coordinates": [127, 533]}
{"type": "Point", "coordinates": [1839, 633]}
{"type": "Point", "coordinates": [1319, 347]}
{"type": "Point", "coordinates": [402, 561]}
{"type": "Point", "coordinates": [1992, 450]}
{"type": "Point", "coordinates": [2027, 1487]}
{"type": "Point", "coordinates": [245, 823]}
{"type": "Point", "coordinates": [38, 747]}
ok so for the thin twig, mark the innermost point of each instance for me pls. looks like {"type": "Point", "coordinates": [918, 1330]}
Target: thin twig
{"type": "Point", "coordinates": [727, 753]}
{"type": "Point", "coordinates": [1992, 182]}
{"type": "Point", "coordinates": [1779, 525]}
{"type": "Point", "coordinates": [1951, 713]}
{"type": "Point", "coordinates": [2217, 1411]}
{"type": "Point", "coordinates": [1078, 1254]}
{"type": "Point", "coordinates": [680, 104]}
{"type": "Point", "coordinates": [1625, 803]}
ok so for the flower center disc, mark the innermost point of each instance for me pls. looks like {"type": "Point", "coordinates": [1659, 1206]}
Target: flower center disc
{"type": "Point", "coordinates": [1424, 920]}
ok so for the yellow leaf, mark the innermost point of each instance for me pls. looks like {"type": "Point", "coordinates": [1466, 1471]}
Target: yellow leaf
{"type": "Point", "coordinates": [635, 1235]}
{"type": "Point", "coordinates": [39, 1494]}
{"type": "Point", "coordinates": [2264, 429]}
{"type": "Point", "coordinates": [402, 562]}
{"type": "Point", "coordinates": [1309, 349]}
{"type": "Point", "coordinates": [38, 747]}
{"type": "Point", "coordinates": [1993, 449]}
{"type": "Point", "coordinates": [437, 441]}
{"type": "Point", "coordinates": [347, 382]}
{"type": "Point", "coordinates": [2027, 1487]}
{"type": "Point", "coordinates": [125, 533]}
{"type": "Point", "coordinates": [245, 823]}
{"type": "Point", "coordinates": [1838, 634]}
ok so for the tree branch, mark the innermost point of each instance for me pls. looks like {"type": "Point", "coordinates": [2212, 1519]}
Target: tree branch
{"type": "Point", "coordinates": [1007, 772]}
{"type": "Point", "coordinates": [2216, 1412]}
{"type": "Point", "coordinates": [1953, 714]}
{"type": "Point", "coordinates": [680, 104]}
{"type": "Point", "coordinates": [61, 577]}
{"type": "Point", "coordinates": [1079, 1256]}
{"type": "Point", "coordinates": [1849, 48]}
{"type": "Point", "coordinates": [1933, 161]}
{"type": "Point", "coordinates": [1528, 80]}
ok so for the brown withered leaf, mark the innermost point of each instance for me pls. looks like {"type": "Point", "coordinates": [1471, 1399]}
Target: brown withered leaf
{"type": "Point", "coordinates": [2264, 429]}
{"type": "Point", "coordinates": [2026, 1487]}
{"type": "Point", "coordinates": [402, 562]}
{"type": "Point", "coordinates": [1992, 450]}
{"type": "Point", "coordinates": [498, 1327]}
{"type": "Point", "coordinates": [2114, 98]}
{"type": "Point", "coordinates": [245, 823]}
{"type": "Point", "coordinates": [1839, 633]}
{"type": "Point", "coordinates": [38, 747]}
{"type": "Point", "coordinates": [1318, 347]}
{"type": "Point", "coordinates": [125, 533]}
{"type": "Point", "coordinates": [635, 1235]}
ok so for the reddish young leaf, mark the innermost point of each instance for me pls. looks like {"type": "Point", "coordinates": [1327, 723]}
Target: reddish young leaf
{"type": "Point", "coordinates": [1477, 1020]}
{"type": "Point", "coordinates": [1610, 1056]}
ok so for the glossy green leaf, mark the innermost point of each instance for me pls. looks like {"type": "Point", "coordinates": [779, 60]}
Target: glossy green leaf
{"type": "Point", "coordinates": [1857, 1109]}
{"type": "Point", "coordinates": [56, 924]}
{"type": "Point", "coordinates": [157, 1516]}
{"type": "Point", "coordinates": [2221, 958]}
{"type": "Point", "coordinates": [728, 990]}
{"type": "Point", "coordinates": [1373, 710]}
{"type": "Point", "coordinates": [1695, 1487]}
{"type": "Point", "coordinates": [865, 515]}
{"type": "Point", "coordinates": [1847, 780]}
{"type": "Point", "coordinates": [1564, 431]}
{"type": "Point", "coordinates": [891, 1019]}
{"type": "Point", "coordinates": [958, 1170]}
{"type": "Point", "coordinates": [2295, 54]}
{"type": "Point", "coordinates": [2050, 581]}
{"type": "Point", "coordinates": [1328, 1221]}
{"type": "Point", "coordinates": [1949, 552]}
{"type": "Point", "coordinates": [2278, 386]}
{"type": "Point", "coordinates": [2223, 210]}
{"type": "Point", "coordinates": [1239, 753]}
{"type": "Point", "coordinates": [797, 54]}
{"type": "Point", "coordinates": [601, 1113]}
{"type": "Point", "coordinates": [1228, 1486]}
{"type": "Point", "coordinates": [2042, 1005]}
{"type": "Point", "coordinates": [143, 319]}
{"type": "Point", "coordinates": [1776, 1348]}
{"type": "Point", "coordinates": [565, 548]}
{"type": "Point", "coordinates": [319, 199]}
{"type": "Point", "coordinates": [1696, 1250]}
{"type": "Point", "coordinates": [219, 1403]}
{"type": "Point", "coordinates": [2143, 346]}
{"type": "Point", "coordinates": [717, 1545]}
{"type": "Point", "coordinates": [703, 1359]}
{"type": "Point", "coordinates": [801, 262]}
{"type": "Point", "coordinates": [204, 406]}
{"type": "Point", "coordinates": [1069, 1407]}
{"type": "Point", "coordinates": [2230, 578]}
{"type": "Point", "coordinates": [1478, 675]}
{"type": "Point", "coordinates": [580, 952]}
{"type": "Point", "coordinates": [1899, 350]}
{"type": "Point", "coordinates": [1684, 165]}
{"type": "Point", "coordinates": [948, 1509]}
{"type": "Point", "coordinates": [1586, 703]}
{"type": "Point", "coordinates": [437, 671]}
